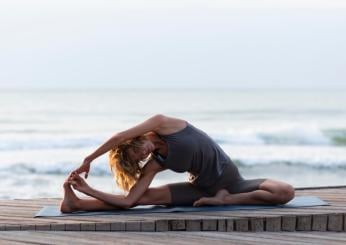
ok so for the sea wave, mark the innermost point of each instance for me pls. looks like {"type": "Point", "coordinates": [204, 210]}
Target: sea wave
{"type": "Point", "coordinates": [284, 136]}
{"type": "Point", "coordinates": [102, 168]}
{"type": "Point", "coordinates": [275, 136]}
{"type": "Point", "coordinates": [60, 168]}
{"type": "Point", "coordinates": [299, 165]}
{"type": "Point", "coordinates": [48, 143]}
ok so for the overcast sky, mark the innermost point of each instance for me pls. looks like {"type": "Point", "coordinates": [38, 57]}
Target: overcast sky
{"type": "Point", "coordinates": [181, 43]}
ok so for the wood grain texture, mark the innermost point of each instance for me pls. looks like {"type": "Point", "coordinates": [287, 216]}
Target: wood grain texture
{"type": "Point", "coordinates": [175, 237]}
{"type": "Point", "coordinates": [17, 215]}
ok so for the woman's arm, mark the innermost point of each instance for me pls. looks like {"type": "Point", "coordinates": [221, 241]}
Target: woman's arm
{"type": "Point", "coordinates": [136, 192]}
{"type": "Point", "coordinates": [127, 201]}
{"type": "Point", "coordinates": [150, 124]}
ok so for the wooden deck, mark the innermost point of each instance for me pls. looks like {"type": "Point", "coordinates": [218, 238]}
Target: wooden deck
{"type": "Point", "coordinates": [173, 237]}
{"type": "Point", "coordinates": [17, 215]}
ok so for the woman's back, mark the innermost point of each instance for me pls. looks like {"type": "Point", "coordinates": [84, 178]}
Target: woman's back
{"type": "Point", "coordinates": [192, 150]}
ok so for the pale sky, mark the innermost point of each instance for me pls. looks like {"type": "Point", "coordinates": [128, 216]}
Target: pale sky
{"type": "Point", "coordinates": [181, 43]}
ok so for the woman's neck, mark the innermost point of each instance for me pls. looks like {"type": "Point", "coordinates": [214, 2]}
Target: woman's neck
{"type": "Point", "coordinates": [159, 144]}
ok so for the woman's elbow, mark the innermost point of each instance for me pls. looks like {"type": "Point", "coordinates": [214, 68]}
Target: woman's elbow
{"type": "Point", "coordinates": [159, 118]}
{"type": "Point", "coordinates": [127, 204]}
{"type": "Point", "coordinates": [118, 138]}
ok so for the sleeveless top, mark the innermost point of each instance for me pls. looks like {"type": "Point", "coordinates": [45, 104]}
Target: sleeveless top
{"type": "Point", "coordinates": [192, 150]}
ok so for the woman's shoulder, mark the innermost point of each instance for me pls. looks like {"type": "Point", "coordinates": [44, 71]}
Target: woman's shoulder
{"type": "Point", "coordinates": [170, 125]}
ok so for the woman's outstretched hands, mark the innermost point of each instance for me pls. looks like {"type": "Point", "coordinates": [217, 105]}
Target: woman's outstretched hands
{"type": "Point", "coordinates": [84, 168]}
{"type": "Point", "coordinates": [78, 183]}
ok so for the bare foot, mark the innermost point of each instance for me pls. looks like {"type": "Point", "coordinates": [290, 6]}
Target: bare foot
{"type": "Point", "coordinates": [70, 202]}
{"type": "Point", "coordinates": [215, 200]}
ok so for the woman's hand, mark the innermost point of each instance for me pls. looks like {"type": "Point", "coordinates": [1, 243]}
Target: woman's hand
{"type": "Point", "coordinates": [78, 183]}
{"type": "Point", "coordinates": [84, 168]}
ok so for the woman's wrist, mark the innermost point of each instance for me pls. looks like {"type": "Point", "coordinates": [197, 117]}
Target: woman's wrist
{"type": "Point", "coordinates": [89, 158]}
{"type": "Point", "coordinates": [89, 191]}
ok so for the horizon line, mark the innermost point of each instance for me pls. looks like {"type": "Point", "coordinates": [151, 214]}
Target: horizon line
{"type": "Point", "coordinates": [163, 88]}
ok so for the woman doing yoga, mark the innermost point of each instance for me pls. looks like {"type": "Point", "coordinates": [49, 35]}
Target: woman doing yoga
{"type": "Point", "coordinates": [161, 143]}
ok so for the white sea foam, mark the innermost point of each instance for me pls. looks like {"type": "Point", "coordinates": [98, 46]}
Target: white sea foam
{"type": "Point", "coordinates": [278, 135]}
{"type": "Point", "coordinates": [61, 162]}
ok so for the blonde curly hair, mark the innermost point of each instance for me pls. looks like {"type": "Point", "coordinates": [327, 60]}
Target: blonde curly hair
{"type": "Point", "coordinates": [126, 171]}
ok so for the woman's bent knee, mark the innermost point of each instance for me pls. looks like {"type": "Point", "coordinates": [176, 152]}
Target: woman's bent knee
{"type": "Point", "coordinates": [282, 192]}
{"type": "Point", "coordinates": [285, 194]}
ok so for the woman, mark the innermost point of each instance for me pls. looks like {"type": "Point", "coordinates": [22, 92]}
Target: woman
{"type": "Point", "coordinates": [169, 143]}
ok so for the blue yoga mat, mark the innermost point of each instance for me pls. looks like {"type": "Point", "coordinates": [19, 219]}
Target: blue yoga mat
{"type": "Point", "coordinates": [297, 202]}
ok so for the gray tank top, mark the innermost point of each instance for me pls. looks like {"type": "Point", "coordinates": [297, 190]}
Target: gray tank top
{"type": "Point", "coordinates": [192, 150]}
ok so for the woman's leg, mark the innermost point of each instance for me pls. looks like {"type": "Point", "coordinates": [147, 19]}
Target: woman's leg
{"type": "Point", "coordinates": [269, 192]}
{"type": "Point", "coordinates": [72, 203]}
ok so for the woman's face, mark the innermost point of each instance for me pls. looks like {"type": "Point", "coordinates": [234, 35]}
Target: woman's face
{"type": "Point", "coordinates": [140, 153]}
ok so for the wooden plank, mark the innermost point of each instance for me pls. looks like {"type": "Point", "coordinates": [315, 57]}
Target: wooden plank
{"type": "Point", "coordinates": [230, 225]}
{"type": "Point", "coordinates": [132, 226]}
{"type": "Point", "coordinates": [147, 225]}
{"type": "Point", "coordinates": [319, 222]}
{"type": "Point", "coordinates": [118, 226]}
{"type": "Point", "coordinates": [45, 227]}
{"type": "Point", "coordinates": [273, 223]}
{"type": "Point", "coordinates": [87, 227]}
{"type": "Point", "coordinates": [304, 222]}
{"type": "Point", "coordinates": [188, 238]}
{"type": "Point", "coordinates": [177, 225]}
{"type": "Point", "coordinates": [335, 222]}
{"type": "Point", "coordinates": [30, 227]}
{"type": "Point", "coordinates": [193, 224]}
{"type": "Point", "coordinates": [209, 224]}
{"type": "Point", "coordinates": [73, 227]}
{"type": "Point", "coordinates": [12, 228]}
{"type": "Point", "coordinates": [256, 224]}
{"type": "Point", "coordinates": [161, 225]}
{"type": "Point", "coordinates": [57, 227]}
{"type": "Point", "coordinates": [221, 224]}
{"type": "Point", "coordinates": [241, 224]}
{"type": "Point", "coordinates": [102, 226]}
{"type": "Point", "coordinates": [288, 223]}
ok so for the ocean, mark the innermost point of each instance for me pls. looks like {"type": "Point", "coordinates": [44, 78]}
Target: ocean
{"type": "Point", "coordinates": [296, 136]}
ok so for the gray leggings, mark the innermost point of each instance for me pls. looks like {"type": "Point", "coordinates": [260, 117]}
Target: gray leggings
{"type": "Point", "coordinates": [186, 193]}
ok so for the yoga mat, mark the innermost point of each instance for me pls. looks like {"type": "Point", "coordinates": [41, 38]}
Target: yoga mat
{"type": "Point", "coordinates": [300, 201]}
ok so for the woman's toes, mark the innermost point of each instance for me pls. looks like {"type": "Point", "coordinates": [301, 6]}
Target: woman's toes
{"type": "Point", "coordinates": [66, 184]}
{"type": "Point", "coordinates": [197, 203]}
